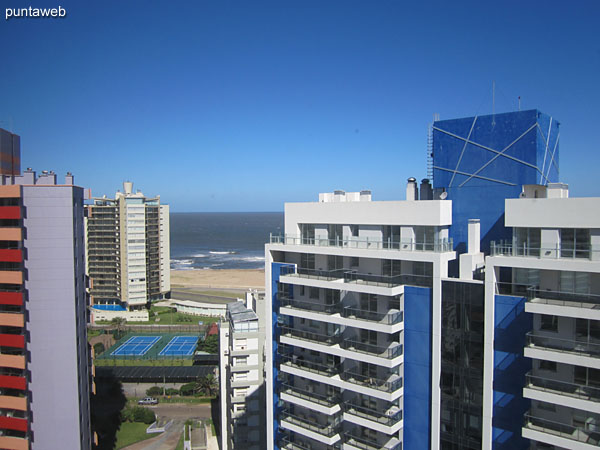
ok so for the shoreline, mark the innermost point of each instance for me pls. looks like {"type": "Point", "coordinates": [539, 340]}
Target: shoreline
{"type": "Point", "coordinates": [239, 279]}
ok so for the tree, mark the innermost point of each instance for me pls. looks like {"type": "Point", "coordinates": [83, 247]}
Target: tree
{"type": "Point", "coordinates": [119, 323]}
{"type": "Point", "coordinates": [208, 385]}
{"type": "Point", "coordinates": [98, 348]}
{"type": "Point", "coordinates": [210, 344]}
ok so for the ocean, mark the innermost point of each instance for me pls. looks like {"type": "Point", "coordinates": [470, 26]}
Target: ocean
{"type": "Point", "coordinates": [221, 240]}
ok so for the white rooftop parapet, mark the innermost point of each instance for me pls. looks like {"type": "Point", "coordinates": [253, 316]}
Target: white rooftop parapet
{"type": "Point", "coordinates": [342, 197]}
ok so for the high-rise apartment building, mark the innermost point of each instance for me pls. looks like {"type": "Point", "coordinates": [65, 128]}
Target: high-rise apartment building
{"type": "Point", "coordinates": [128, 250]}
{"type": "Point", "coordinates": [46, 375]}
{"type": "Point", "coordinates": [242, 377]}
{"type": "Point", "coordinates": [391, 329]}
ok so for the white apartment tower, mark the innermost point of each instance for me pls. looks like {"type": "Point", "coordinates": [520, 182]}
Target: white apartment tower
{"type": "Point", "coordinates": [241, 372]}
{"type": "Point", "coordinates": [355, 289]}
{"type": "Point", "coordinates": [128, 250]}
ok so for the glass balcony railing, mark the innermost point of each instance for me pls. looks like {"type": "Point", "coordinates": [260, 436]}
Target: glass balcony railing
{"type": "Point", "coordinates": [388, 418]}
{"type": "Point", "coordinates": [325, 400]}
{"type": "Point", "coordinates": [287, 444]}
{"type": "Point", "coordinates": [559, 298]}
{"type": "Point", "coordinates": [390, 317]}
{"type": "Point", "coordinates": [587, 433]}
{"type": "Point", "coordinates": [299, 362]}
{"type": "Point", "coordinates": [390, 352]}
{"type": "Point", "coordinates": [310, 336]}
{"type": "Point", "coordinates": [309, 423]}
{"type": "Point", "coordinates": [585, 348]}
{"type": "Point", "coordinates": [507, 248]}
{"type": "Point", "coordinates": [575, 390]}
{"type": "Point", "coordinates": [351, 276]}
{"type": "Point", "coordinates": [310, 306]}
{"type": "Point", "coordinates": [391, 384]}
{"type": "Point", "coordinates": [366, 443]}
{"type": "Point", "coordinates": [407, 245]}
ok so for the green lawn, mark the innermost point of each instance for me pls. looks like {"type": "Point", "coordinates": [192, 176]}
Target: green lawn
{"type": "Point", "coordinates": [132, 432]}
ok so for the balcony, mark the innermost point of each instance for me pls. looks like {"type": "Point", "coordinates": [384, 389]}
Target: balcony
{"type": "Point", "coordinates": [506, 248]}
{"type": "Point", "coordinates": [392, 384]}
{"type": "Point", "coordinates": [582, 348]}
{"type": "Point", "coordinates": [366, 243]}
{"type": "Point", "coordinates": [561, 434]}
{"type": "Point", "coordinates": [310, 366]}
{"type": "Point", "coordinates": [349, 276]}
{"type": "Point", "coordinates": [286, 301]}
{"type": "Point", "coordinates": [328, 401]}
{"type": "Point", "coordinates": [387, 418]}
{"type": "Point", "coordinates": [564, 389]}
{"type": "Point", "coordinates": [390, 352]}
{"type": "Point", "coordinates": [561, 298]}
{"type": "Point", "coordinates": [329, 434]}
{"type": "Point", "coordinates": [310, 336]}
{"type": "Point", "coordinates": [366, 443]}
{"type": "Point", "coordinates": [390, 317]}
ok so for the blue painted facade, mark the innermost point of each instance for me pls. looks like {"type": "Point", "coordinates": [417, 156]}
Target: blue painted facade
{"type": "Point", "coordinates": [511, 324]}
{"type": "Point", "coordinates": [277, 269]}
{"type": "Point", "coordinates": [480, 161]}
{"type": "Point", "coordinates": [417, 367]}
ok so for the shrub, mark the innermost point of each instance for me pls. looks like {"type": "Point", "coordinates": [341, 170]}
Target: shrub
{"type": "Point", "coordinates": [99, 348]}
{"type": "Point", "coordinates": [154, 390]}
{"type": "Point", "coordinates": [172, 391]}
{"type": "Point", "coordinates": [144, 415]}
{"type": "Point", "coordinates": [188, 389]}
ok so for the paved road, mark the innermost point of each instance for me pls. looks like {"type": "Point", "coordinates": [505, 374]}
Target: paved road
{"type": "Point", "coordinates": [179, 413]}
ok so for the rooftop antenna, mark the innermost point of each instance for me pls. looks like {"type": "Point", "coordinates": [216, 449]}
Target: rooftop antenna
{"type": "Point", "coordinates": [519, 103]}
{"type": "Point", "coordinates": [494, 103]}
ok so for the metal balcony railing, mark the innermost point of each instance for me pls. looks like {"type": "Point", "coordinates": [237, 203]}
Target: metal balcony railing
{"type": "Point", "coordinates": [408, 245]}
{"type": "Point", "coordinates": [507, 248]}
{"type": "Point", "coordinates": [309, 423]}
{"type": "Point", "coordinates": [569, 389]}
{"type": "Point", "coordinates": [587, 433]}
{"type": "Point", "coordinates": [561, 298]}
{"type": "Point", "coordinates": [389, 318]}
{"type": "Point", "coordinates": [372, 349]}
{"type": "Point", "coordinates": [369, 444]}
{"type": "Point", "coordinates": [585, 348]}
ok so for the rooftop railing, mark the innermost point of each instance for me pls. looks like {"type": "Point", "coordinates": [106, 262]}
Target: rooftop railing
{"type": "Point", "coordinates": [575, 390]}
{"type": "Point", "coordinates": [408, 245]}
{"type": "Point", "coordinates": [585, 348]}
{"type": "Point", "coordinates": [561, 298]}
{"type": "Point", "coordinates": [568, 431]}
{"type": "Point", "coordinates": [507, 248]}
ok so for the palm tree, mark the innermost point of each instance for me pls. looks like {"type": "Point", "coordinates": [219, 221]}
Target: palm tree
{"type": "Point", "coordinates": [208, 385]}
{"type": "Point", "coordinates": [119, 322]}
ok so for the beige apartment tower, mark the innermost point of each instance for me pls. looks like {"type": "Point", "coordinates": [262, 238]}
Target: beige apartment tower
{"type": "Point", "coordinates": [127, 250]}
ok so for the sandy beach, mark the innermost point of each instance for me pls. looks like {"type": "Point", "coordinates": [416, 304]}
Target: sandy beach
{"type": "Point", "coordinates": [222, 279]}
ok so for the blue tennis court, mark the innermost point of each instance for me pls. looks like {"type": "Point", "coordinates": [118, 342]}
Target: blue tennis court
{"type": "Point", "coordinates": [136, 345]}
{"type": "Point", "coordinates": [179, 346]}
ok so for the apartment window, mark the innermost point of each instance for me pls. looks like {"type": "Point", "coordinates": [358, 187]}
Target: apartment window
{"type": "Point", "coordinates": [547, 406]}
{"type": "Point", "coordinates": [527, 241]}
{"type": "Point", "coordinates": [586, 376]}
{"type": "Point", "coordinates": [331, 296]}
{"type": "Point", "coordinates": [353, 262]}
{"type": "Point", "coordinates": [575, 243]}
{"type": "Point", "coordinates": [314, 293]}
{"type": "Point", "coordinates": [239, 360]}
{"type": "Point", "coordinates": [587, 330]}
{"type": "Point", "coordinates": [307, 232]}
{"type": "Point", "coordinates": [240, 376]}
{"type": "Point", "coordinates": [548, 323]}
{"type": "Point", "coordinates": [239, 408]}
{"type": "Point", "coordinates": [575, 282]}
{"type": "Point", "coordinates": [335, 234]}
{"type": "Point", "coordinates": [241, 344]}
{"type": "Point", "coordinates": [549, 366]}
{"type": "Point", "coordinates": [424, 238]}
{"type": "Point", "coordinates": [307, 260]}
{"type": "Point", "coordinates": [240, 392]}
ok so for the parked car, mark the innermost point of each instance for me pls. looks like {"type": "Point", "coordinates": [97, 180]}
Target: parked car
{"type": "Point", "coordinates": [148, 401]}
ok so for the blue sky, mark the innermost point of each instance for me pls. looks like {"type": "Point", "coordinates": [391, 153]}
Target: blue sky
{"type": "Point", "coordinates": [241, 106]}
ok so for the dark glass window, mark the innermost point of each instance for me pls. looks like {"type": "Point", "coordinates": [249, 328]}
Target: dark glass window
{"type": "Point", "coordinates": [549, 323]}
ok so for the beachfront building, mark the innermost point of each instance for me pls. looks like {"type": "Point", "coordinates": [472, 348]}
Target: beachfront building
{"type": "Point", "coordinates": [542, 382]}
{"type": "Point", "coordinates": [45, 365]}
{"type": "Point", "coordinates": [128, 252]}
{"type": "Point", "coordinates": [356, 293]}
{"type": "Point", "coordinates": [241, 372]}
{"type": "Point", "coordinates": [391, 329]}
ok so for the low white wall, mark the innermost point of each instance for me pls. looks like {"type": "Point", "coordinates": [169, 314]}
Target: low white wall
{"type": "Point", "coordinates": [129, 316]}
